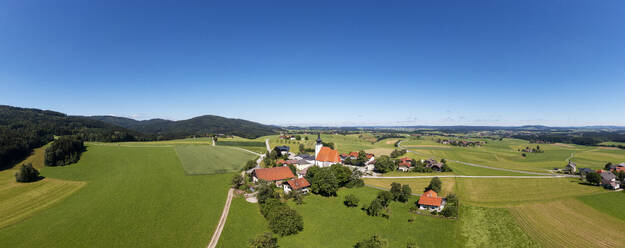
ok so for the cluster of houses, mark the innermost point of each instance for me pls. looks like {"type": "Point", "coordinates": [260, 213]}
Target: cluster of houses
{"type": "Point", "coordinates": [463, 143]}
{"type": "Point", "coordinates": [406, 164]}
{"type": "Point", "coordinates": [324, 156]}
{"type": "Point", "coordinates": [608, 177]}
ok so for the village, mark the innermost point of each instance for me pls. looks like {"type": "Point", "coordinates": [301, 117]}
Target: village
{"type": "Point", "coordinates": [290, 174]}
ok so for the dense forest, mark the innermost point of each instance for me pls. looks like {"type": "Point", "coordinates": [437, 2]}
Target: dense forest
{"type": "Point", "coordinates": [63, 151]}
{"type": "Point", "coordinates": [23, 129]}
{"type": "Point", "coordinates": [579, 138]}
{"type": "Point", "coordinates": [206, 125]}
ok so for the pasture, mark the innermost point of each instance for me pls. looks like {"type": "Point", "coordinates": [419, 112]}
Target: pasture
{"type": "Point", "coordinates": [329, 223]}
{"type": "Point", "coordinates": [506, 154]}
{"type": "Point", "coordinates": [491, 227]}
{"type": "Point", "coordinates": [569, 223]}
{"type": "Point", "coordinates": [611, 203]}
{"type": "Point", "coordinates": [244, 223]}
{"type": "Point", "coordinates": [206, 159]}
{"type": "Point", "coordinates": [512, 191]}
{"type": "Point", "coordinates": [132, 197]}
{"type": "Point", "coordinates": [19, 201]}
{"type": "Point", "coordinates": [416, 184]}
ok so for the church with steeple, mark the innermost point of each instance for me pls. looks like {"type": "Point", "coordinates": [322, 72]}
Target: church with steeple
{"type": "Point", "coordinates": [325, 156]}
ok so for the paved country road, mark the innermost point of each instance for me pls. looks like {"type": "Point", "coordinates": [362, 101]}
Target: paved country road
{"type": "Point", "coordinates": [222, 221]}
{"type": "Point", "coordinates": [267, 144]}
{"type": "Point", "coordinates": [492, 168]}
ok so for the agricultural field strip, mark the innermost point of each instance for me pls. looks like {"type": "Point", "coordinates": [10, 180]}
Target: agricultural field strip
{"type": "Point", "coordinates": [482, 166]}
{"type": "Point", "coordinates": [550, 176]}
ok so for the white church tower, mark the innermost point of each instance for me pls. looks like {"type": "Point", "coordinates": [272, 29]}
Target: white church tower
{"type": "Point", "coordinates": [318, 145]}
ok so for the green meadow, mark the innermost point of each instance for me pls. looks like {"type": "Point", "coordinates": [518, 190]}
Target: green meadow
{"type": "Point", "coordinates": [207, 159]}
{"type": "Point", "coordinates": [132, 197]}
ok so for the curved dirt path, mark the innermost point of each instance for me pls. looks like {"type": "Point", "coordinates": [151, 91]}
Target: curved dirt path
{"type": "Point", "coordinates": [267, 144]}
{"type": "Point", "coordinates": [222, 221]}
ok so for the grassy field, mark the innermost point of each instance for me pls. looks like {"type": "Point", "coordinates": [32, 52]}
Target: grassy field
{"type": "Point", "coordinates": [133, 197]}
{"type": "Point", "coordinates": [512, 191]}
{"type": "Point", "coordinates": [206, 159]}
{"type": "Point", "coordinates": [570, 223]}
{"type": "Point", "coordinates": [329, 223]}
{"type": "Point", "coordinates": [244, 223]}
{"type": "Point", "coordinates": [416, 184]}
{"type": "Point", "coordinates": [611, 203]}
{"type": "Point", "coordinates": [505, 154]}
{"type": "Point", "coordinates": [19, 201]}
{"type": "Point", "coordinates": [491, 227]}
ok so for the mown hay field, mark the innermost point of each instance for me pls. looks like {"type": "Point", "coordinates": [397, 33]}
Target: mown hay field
{"type": "Point", "coordinates": [207, 159]}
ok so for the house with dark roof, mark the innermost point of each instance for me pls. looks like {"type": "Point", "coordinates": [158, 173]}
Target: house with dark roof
{"type": "Point", "coordinates": [608, 180]}
{"type": "Point", "coordinates": [277, 175]}
{"type": "Point", "coordinates": [430, 201]}
{"type": "Point", "coordinates": [283, 149]}
{"type": "Point", "coordinates": [571, 167]}
{"type": "Point", "coordinates": [432, 164]}
{"type": "Point", "coordinates": [299, 184]}
{"type": "Point", "coordinates": [585, 171]}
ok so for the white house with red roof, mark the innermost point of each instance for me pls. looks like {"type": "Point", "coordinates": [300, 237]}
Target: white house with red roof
{"type": "Point", "coordinates": [299, 184]}
{"type": "Point", "coordinates": [430, 201]}
{"type": "Point", "coordinates": [277, 174]}
{"type": "Point", "coordinates": [325, 156]}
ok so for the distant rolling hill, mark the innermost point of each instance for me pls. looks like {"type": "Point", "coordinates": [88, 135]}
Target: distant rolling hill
{"type": "Point", "coordinates": [22, 129]}
{"type": "Point", "coordinates": [201, 125]}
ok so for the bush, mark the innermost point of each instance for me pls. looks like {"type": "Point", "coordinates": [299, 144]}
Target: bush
{"type": "Point", "coordinates": [251, 164]}
{"type": "Point", "coordinates": [373, 242]}
{"type": "Point", "coordinates": [265, 240]}
{"type": "Point", "coordinates": [435, 184]}
{"type": "Point", "coordinates": [385, 197]}
{"type": "Point", "coordinates": [351, 200]}
{"type": "Point", "coordinates": [27, 173]}
{"type": "Point", "coordinates": [593, 178]}
{"type": "Point", "coordinates": [64, 151]}
{"type": "Point", "coordinates": [397, 153]}
{"type": "Point", "coordinates": [285, 221]}
{"type": "Point", "coordinates": [375, 208]}
{"type": "Point", "coordinates": [237, 181]}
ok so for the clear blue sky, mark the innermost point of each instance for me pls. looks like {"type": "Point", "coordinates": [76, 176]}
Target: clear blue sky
{"type": "Point", "coordinates": [320, 62]}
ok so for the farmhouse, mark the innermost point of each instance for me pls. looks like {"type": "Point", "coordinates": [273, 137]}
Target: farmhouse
{"type": "Point", "coordinates": [430, 201]}
{"type": "Point", "coordinates": [405, 164]}
{"type": "Point", "coordinates": [431, 163]}
{"type": "Point", "coordinates": [300, 184]}
{"type": "Point", "coordinates": [325, 156]}
{"type": "Point", "coordinates": [283, 149]}
{"type": "Point", "coordinates": [276, 174]}
{"type": "Point", "coordinates": [609, 181]}
{"type": "Point", "coordinates": [571, 167]}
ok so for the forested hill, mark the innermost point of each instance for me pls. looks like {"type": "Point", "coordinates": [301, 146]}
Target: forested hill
{"type": "Point", "coordinates": [201, 125]}
{"type": "Point", "coordinates": [23, 129]}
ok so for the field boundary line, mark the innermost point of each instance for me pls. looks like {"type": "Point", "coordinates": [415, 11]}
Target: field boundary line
{"type": "Point", "coordinates": [222, 221]}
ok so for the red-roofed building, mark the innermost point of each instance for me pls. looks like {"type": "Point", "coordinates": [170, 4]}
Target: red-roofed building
{"type": "Point", "coordinates": [327, 157]}
{"type": "Point", "coordinates": [276, 174]}
{"type": "Point", "coordinates": [405, 164]}
{"type": "Point", "coordinates": [299, 184]}
{"type": "Point", "coordinates": [429, 200]}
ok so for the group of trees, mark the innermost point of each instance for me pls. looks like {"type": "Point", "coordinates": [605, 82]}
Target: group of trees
{"type": "Point", "coordinates": [272, 157]}
{"type": "Point", "coordinates": [282, 219]}
{"type": "Point", "coordinates": [326, 181]}
{"type": "Point", "coordinates": [27, 173]}
{"type": "Point", "coordinates": [359, 161]}
{"type": "Point", "coordinates": [64, 151]}
{"type": "Point", "coordinates": [588, 138]}
{"type": "Point", "coordinates": [379, 205]}
{"type": "Point", "coordinates": [303, 149]}
{"type": "Point", "coordinates": [265, 240]}
{"type": "Point", "coordinates": [384, 164]}
{"type": "Point", "coordinates": [451, 207]}
{"type": "Point", "coordinates": [435, 184]}
{"type": "Point", "coordinates": [398, 152]}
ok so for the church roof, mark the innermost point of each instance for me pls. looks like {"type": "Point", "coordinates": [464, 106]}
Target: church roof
{"type": "Point", "coordinates": [328, 155]}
